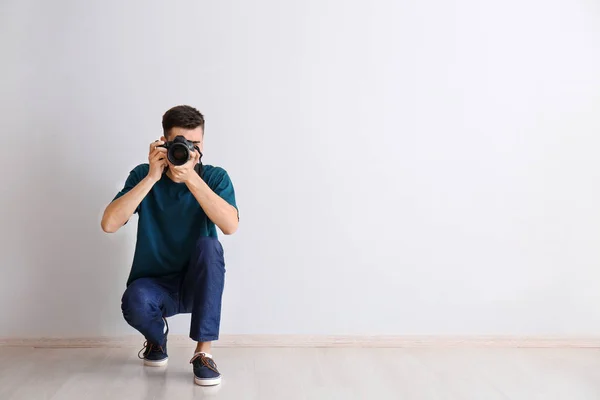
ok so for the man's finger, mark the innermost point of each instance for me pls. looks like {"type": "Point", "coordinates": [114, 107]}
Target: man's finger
{"type": "Point", "coordinates": [158, 150]}
{"type": "Point", "coordinates": [155, 153]}
{"type": "Point", "coordinates": [158, 157]}
{"type": "Point", "coordinates": [155, 144]}
{"type": "Point", "coordinates": [193, 160]}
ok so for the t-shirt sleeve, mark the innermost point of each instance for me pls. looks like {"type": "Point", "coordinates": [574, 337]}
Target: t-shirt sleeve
{"type": "Point", "coordinates": [222, 186]}
{"type": "Point", "coordinates": [135, 177]}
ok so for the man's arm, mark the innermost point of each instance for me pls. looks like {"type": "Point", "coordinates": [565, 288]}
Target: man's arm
{"type": "Point", "coordinates": [120, 210]}
{"type": "Point", "coordinates": [223, 214]}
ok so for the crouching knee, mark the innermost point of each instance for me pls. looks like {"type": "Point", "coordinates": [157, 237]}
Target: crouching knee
{"type": "Point", "coordinates": [139, 303]}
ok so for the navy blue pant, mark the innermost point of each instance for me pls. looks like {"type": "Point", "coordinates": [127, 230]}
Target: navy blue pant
{"type": "Point", "coordinates": [197, 290]}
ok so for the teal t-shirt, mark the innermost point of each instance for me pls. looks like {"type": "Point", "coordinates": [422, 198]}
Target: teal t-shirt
{"type": "Point", "coordinates": [171, 221]}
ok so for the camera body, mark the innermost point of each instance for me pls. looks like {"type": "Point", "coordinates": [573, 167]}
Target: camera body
{"type": "Point", "coordinates": [179, 150]}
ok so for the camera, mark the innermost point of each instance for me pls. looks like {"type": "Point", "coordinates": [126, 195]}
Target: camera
{"type": "Point", "coordinates": [179, 150]}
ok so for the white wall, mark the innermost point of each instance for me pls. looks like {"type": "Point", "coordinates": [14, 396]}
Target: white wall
{"type": "Point", "coordinates": [402, 167]}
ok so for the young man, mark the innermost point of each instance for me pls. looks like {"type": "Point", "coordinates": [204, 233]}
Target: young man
{"type": "Point", "coordinates": [178, 264]}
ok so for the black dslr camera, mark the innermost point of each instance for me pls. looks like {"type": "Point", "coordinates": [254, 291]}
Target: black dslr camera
{"type": "Point", "coordinates": [179, 150]}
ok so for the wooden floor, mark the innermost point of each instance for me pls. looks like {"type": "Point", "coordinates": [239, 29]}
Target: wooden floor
{"type": "Point", "coordinates": [314, 373]}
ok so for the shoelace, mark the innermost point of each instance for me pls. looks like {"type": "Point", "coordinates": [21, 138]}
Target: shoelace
{"type": "Point", "coordinates": [149, 347]}
{"type": "Point", "coordinates": [205, 361]}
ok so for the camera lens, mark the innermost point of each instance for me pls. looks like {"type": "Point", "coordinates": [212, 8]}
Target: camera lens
{"type": "Point", "coordinates": [178, 154]}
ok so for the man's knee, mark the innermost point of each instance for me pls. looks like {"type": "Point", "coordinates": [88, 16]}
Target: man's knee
{"type": "Point", "coordinates": [139, 302]}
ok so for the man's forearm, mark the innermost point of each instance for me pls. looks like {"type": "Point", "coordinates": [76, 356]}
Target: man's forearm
{"type": "Point", "coordinates": [119, 211]}
{"type": "Point", "coordinates": [223, 214]}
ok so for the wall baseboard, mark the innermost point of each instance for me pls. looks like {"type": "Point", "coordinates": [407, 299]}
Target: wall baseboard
{"type": "Point", "coordinates": [320, 341]}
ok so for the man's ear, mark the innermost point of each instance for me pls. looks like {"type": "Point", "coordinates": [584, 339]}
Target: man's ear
{"type": "Point", "coordinates": [164, 139]}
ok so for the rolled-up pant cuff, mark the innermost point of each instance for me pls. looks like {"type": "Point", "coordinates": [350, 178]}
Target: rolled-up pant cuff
{"type": "Point", "coordinates": [204, 338]}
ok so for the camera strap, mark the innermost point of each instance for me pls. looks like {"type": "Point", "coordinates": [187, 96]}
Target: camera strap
{"type": "Point", "coordinates": [199, 167]}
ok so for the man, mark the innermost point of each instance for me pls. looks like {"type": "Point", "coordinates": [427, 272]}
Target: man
{"type": "Point", "coordinates": [178, 264]}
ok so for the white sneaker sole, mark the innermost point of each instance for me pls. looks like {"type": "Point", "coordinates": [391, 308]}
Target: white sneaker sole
{"type": "Point", "coordinates": [207, 382]}
{"type": "Point", "coordinates": [160, 363]}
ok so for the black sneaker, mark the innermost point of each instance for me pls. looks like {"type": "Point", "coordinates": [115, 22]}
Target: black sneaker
{"type": "Point", "coordinates": [205, 370]}
{"type": "Point", "coordinates": [155, 355]}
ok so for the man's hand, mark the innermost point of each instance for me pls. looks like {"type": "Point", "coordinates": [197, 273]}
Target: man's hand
{"type": "Point", "coordinates": [157, 158]}
{"type": "Point", "coordinates": [183, 173]}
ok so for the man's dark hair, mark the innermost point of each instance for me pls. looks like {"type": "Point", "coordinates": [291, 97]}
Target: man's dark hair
{"type": "Point", "coordinates": [185, 117]}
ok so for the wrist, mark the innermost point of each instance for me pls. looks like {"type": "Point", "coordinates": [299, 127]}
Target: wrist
{"type": "Point", "coordinates": [194, 180]}
{"type": "Point", "coordinates": [151, 179]}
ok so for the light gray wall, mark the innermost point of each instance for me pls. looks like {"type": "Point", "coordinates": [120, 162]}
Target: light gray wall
{"type": "Point", "coordinates": [402, 167]}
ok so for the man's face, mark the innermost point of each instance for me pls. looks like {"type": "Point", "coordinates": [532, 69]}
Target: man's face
{"type": "Point", "coordinates": [195, 136]}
